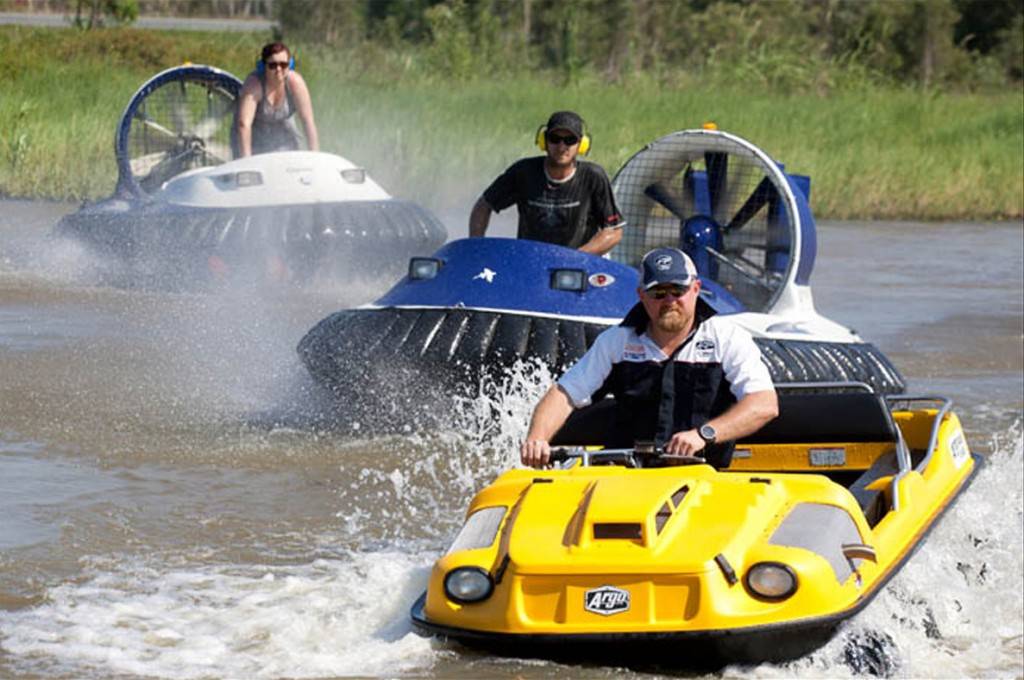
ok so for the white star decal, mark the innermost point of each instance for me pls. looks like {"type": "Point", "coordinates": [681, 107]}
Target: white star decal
{"type": "Point", "coordinates": [487, 275]}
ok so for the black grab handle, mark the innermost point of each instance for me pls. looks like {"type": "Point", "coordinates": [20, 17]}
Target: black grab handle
{"type": "Point", "coordinates": [560, 455]}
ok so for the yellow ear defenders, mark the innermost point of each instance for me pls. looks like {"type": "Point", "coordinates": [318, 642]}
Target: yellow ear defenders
{"type": "Point", "coordinates": [542, 142]}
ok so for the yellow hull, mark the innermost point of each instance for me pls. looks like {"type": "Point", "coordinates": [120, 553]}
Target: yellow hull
{"type": "Point", "coordinates": [606, 552]}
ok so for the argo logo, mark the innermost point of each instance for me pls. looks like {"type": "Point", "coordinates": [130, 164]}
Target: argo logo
{"type": "Point", "coordinates": [606, 600]}
{"type": "Point", "coordinates": [600, 280]}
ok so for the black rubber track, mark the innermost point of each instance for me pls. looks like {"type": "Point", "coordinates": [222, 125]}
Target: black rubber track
{"type": "Point", "coordinates": [356, 345]}
{"type": "Point", "coordinates": [364, 238]}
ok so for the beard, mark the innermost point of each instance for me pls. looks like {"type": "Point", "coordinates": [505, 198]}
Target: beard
{"type": "Point", "coordinates": [562, 158]}
{"type": "Point", "coordinates": [672, 320]}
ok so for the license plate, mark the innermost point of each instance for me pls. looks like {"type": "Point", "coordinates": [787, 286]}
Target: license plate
{"type": "Point", "coordinates": [827, 457]}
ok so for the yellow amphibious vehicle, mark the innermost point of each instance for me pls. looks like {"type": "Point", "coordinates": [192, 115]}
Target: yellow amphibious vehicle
{"type": "Point", "coordinates": [760, 561]}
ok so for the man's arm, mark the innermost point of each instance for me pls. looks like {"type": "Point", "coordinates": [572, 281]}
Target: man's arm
{"type": "Point", "coordinates": [551, 413]}
{"type": "Point", "coordinates": [746, 416]}
{"type": "Point", "coordinates": [479, 217]}
{"type": "Point", "coordinates": [603, 212]}
{"type": "Point", "coordinates": [603, 241]}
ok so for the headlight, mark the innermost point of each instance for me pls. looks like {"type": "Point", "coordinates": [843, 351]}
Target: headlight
{"type": "Point", "coordinates": [234, 180]}
{"type": "Point", "coordinates": [480, 529]}
{"type": "Point", "coordinates": [569, 279]}
{"type": "Point", "coordinates": [354, 175]}
{"type": "Point", "coordinates": [423, 267]}
{"type": "Point", "coordinates": [468, 584]}
{"type": "Point", "coordinates": [771, 580]}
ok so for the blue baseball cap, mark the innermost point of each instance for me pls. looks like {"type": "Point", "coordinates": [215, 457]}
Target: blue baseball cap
{"type": "Point", "coordinates": [667, 266]}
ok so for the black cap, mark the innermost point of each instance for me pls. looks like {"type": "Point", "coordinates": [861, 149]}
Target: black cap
{"type": "Point", "coordinates": [566, 120]}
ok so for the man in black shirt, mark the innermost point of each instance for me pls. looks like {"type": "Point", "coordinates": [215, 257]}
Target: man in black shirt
{"type": "Point", "coordinates": [560, 199]}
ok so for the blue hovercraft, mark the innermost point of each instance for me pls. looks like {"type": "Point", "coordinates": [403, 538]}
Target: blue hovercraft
{"type": "Point", "coordinates": [477, 306]}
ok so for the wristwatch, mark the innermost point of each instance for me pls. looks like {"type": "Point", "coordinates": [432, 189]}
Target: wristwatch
{"type": "Point", "coordinates": [707, 433]}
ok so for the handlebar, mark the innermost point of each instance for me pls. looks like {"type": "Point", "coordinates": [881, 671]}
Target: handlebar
{"type": "Point", "coordinates": [640, 456]}
{"type": "Point", "coordinates": [562, 455]}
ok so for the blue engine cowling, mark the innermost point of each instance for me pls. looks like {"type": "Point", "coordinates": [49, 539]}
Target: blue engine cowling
{"type": "Point", "coordinates": [528, 277]}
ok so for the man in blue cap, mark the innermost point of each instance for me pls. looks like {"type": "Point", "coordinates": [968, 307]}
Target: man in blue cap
{"type": "Point", "coordinates": [560, 199]}
{"type": "Point", "coordinates": [682, 377]}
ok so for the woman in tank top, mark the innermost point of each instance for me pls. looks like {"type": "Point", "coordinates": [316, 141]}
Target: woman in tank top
{"type": "Point", "coordinates": [270, 98]}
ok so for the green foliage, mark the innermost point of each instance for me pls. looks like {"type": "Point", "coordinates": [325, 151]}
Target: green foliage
{"type": "Point", "coordinates": [128, 50]}
{"type": "Point", "coordinates": [94, 13]}
{"type": "Point", "coordinates": [330, 22]}
{"type": "Point", "coordinates": [451, 42]}
{"type": "Point", "coordinates": [797, 46]}
{"type": "Point", "coordinates": [1010, 48]}
{"type": "Point", "coordinates": [875, 148]}
{"type": "Point", "coordinates": [793, 45]}
{"type": "Point", "coordinates": [16, 143]}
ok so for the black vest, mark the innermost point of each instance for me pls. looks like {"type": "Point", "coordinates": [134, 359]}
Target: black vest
{"type": "Point", "coordinates": [654, 400]}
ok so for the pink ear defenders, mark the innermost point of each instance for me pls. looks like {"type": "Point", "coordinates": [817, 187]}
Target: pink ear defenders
{"type": "Point", "coordinates": [261, 66]}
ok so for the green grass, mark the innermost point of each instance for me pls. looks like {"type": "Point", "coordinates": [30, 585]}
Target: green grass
{"type": "Point", "coordinates": [872, 151]}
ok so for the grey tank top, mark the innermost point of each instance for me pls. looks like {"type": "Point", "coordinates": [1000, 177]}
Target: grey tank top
{"type": "Point", "coordinates": [273, 128]}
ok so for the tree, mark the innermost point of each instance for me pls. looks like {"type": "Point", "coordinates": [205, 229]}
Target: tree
{"type": "Point", "coordinates": [325, 21]}
{"type": "Point", "coordinates": [119, 11]}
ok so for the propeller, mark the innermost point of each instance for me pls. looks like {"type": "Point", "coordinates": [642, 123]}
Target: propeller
{"type": "Point", "coordinates": [762, 195]}
{"type": "Point", "coordinates": [727, 198]}
{"type": "Point", "coordinates": [716, 165]}
{"type": "Point", "coordinates": [663, 195]}
{"type": "Point", "coordinates": [179, 120]}
{"type": "Point", "coordinates": [143, 165]}
{"type": "Point", "coordinates": [157, 127]}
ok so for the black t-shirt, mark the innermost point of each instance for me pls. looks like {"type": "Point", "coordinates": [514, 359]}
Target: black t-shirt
{"type": "Point", "coordinates": [566, 213]}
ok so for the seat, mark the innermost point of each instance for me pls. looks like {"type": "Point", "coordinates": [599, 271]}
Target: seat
{"type": "Point", "coordinates": [828, 417]}
{"type": "Point", "coordinates": [872, 501]}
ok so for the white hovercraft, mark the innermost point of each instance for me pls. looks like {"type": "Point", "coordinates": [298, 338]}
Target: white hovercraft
{"type": "Point", "coordinates": [185, 214]}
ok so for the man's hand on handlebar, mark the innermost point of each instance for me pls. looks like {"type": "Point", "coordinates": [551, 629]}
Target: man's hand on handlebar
{"type": "Point", "coordinates": [686, 443]}
{"type": "Point", "coordinates": [535, 453]}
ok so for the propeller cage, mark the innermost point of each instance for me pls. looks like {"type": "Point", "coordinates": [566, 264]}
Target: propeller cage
{"type": "Point", "coordinates": [179, 120]}
{"type": "Point", "coordinates": [725, 203]}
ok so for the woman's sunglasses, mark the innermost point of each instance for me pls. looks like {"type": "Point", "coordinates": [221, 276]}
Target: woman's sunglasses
{"type": "Point", "coordinates": [568, 140]}
{"type": "Point", "coordinates": [277, 65]}
{"type": "Point", "coordinates": [662, 293]}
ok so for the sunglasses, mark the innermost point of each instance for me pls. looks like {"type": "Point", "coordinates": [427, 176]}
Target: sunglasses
{"type": "Point", "coordinates": [568, 140]}
{"type": "Point", "coordinates": [277, 65]}
{"type": "Point", "coordinates": [673, 291]}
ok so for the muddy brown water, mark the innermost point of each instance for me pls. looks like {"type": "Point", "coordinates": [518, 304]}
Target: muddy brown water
{"type": "Point", "coordinates": [165, 512]}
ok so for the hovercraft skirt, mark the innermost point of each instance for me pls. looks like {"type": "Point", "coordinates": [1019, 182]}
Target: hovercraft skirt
{"type": "Point", "coordinates": [337, 240]}
{"type": "Point", "coordinates": [362, 344]}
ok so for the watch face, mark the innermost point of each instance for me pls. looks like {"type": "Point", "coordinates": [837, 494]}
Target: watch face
{"type": "Point", "coordinates": [707, 433]}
